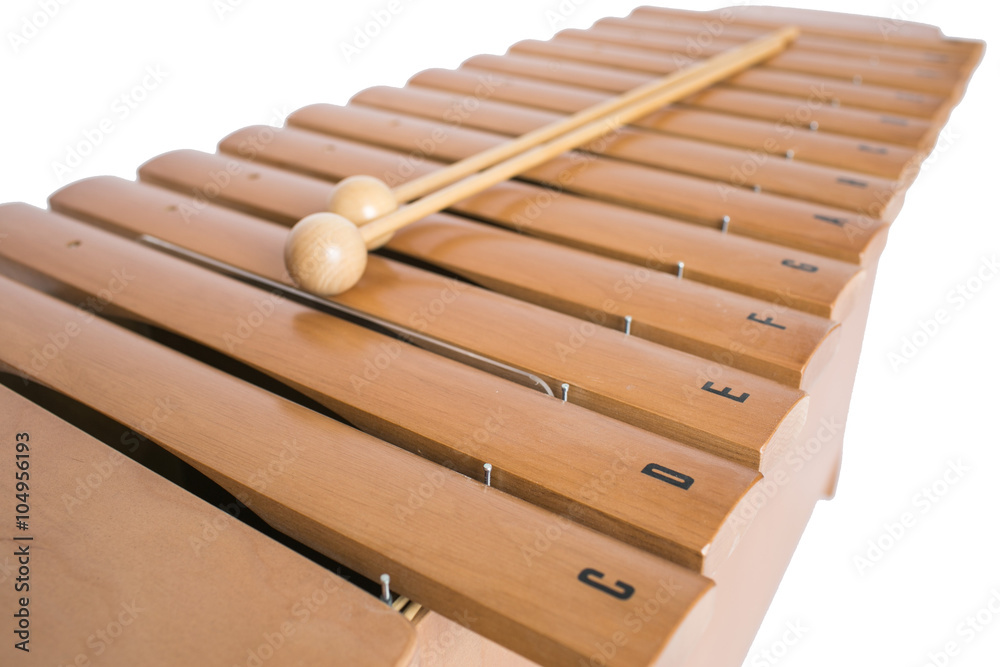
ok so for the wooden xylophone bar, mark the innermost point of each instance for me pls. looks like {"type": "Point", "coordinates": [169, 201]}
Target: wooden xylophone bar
{"type": "Point", "coordinates": [682, 453]}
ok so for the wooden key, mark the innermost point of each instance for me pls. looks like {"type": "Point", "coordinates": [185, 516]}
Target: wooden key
{"type": "Point", "coordinates": [926, 78]}
{"type": "Point", "coordinates": [372, 381]}
{"type": "Point", "coordinates": [326, 252]}
{"type": "Point", "coordinates": [863, 31]}
{"type": "Point", "coordinates": [345, 494]}
{"type": "Point", "coordinates": [125, 565]}
{"type": "Point", "coordinates": [542, 61]}
{"type": "Point", "coordinates": [733, 168]}
{"type": "Point", "coordinates": [652, 241]}
{"type": "Point", "coordinates": [632, 41]}
{"type": "Point", "coordinates": [825, 230]}
{"type": "Point", "coordinates": [678, 28]}
{"type": "Point", "coordinates": [606, 371]}
{"type": "Point", "coordinates": [703, 321]}
{"type": "Point", "coordinates": [684, 25]}
{"type": "Point", "coordinates": [871, 157]}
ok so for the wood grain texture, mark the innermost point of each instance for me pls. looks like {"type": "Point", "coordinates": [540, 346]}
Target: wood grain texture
{"type": "Point", "coordinates": [682, 23]}
{"type": "Point", "coordinates": [340, 492]}
{"type": "Point", "coordinates": [711, 323]}
{"type": "Point", "coordinates": [644, 98]}
{"type": "Point", "coordinates": [856, 30]}
{"type": "Point", "coordinates": [325, 254]}
{"type": "Point", "coordinates": [675, 37]}
{"type": "Point", "coordinates": [931, 79]}
{"type": "Point", "coordinates": [543, 61]}
{"type": "Point", "coordinates": [834, 187]}
{"type": "Point", "coordinates": [614, 112]}
{"type": "Point", "coordinates": [625, 377]}
{"type": "Point", "coordinates": [652, 241]}
{"type": "Point", "coordinates": [128, 569]}
{"type": "Point", "coordinates": [877, 158]}
{"type": "Point", "coordinates": [557, 455]}
{"type": "Point", "coordinates": [822, 229]}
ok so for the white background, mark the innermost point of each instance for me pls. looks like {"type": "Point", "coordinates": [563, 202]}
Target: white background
{"type": "Point", "coordinates": [264, 58]}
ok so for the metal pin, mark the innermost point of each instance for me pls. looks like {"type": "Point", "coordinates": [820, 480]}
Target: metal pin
{"type": "Point", "coordinates": [628, 325]}
{"type": "Point", "coordinates": [488, 468]}
{"type": "Point", "coordinates": [813, 125]}
{"type": "Point", "coordinates": [789, 154]}
{"type": "Point", "coordinates": [565, 388]}
{"type": "Point", "coordinates": [386, 595]}
{"type": "Point", "coordinates": [756, 188]}
{"type": "Point", "coordinates": [680, 270]}
{"type": "Point", "coordinates": [725, 224]}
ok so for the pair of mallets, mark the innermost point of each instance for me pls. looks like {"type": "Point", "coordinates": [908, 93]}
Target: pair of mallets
{"type": "Point", "coordinates": [326, 253]}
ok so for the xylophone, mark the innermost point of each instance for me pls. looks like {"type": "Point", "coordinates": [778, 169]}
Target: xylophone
{"type": "Point", "coordinates": [647, 486]}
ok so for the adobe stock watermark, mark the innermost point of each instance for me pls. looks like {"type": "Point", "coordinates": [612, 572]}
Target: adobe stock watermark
{"type": "Point", "coordinates": [455, 116]}
{"type": "Point", "coordinates": [301, 613]}
{"type": "Point", "coordinates": [779, 649]}
{"type": "Point", "coordinates": [590, 491]}
{"type": "Point", "coordinates": [33, 23]}
{"type": "Point", "coordinates": [966, 632]}
{"type": "Point", "coordinates": [901, 13]}
{"type": "Point", "coordinates": [364, 34]}
{"type": "Point", "coordinates": [223, 8]}
{"type": "Point", "coordinates": [562, 11]}
{"type": "Point", "coordinates": [259, 480]}
{"type": "Point", "coordinates": [927, 329]}
{"type": "Point", "coordinates": [470, 445]}
{"type": "Point", "coordinates": [245, 327]}
{"type": "Point", "coordinates": [633, 621]}
{"type": "Point", "coordinates": [438, 647]}
{"type": "Point", "coordinates": [921, 504]}
{"type": "Point", "coordinates": [632, 281]}
{"type": "Point", "coordinates": [220, 179]}
{"type": "Point", "coordinates": [796, 458]}
{"type": "Point", "coordinates": [103, 639]}
{"type": "Point", "coordinates": [88, 482]}
{"type": "Point", "coordinates": [120, 109]}
{"type": "Point", "coordinates": [62, 338]}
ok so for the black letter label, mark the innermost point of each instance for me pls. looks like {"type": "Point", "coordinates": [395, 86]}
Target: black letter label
{"type": "Point", "coordinates": [669, 476]}
{"type": "Point", "coordinates": [726, 392]}
{"type": "Point", "coordinates": [592, 577]}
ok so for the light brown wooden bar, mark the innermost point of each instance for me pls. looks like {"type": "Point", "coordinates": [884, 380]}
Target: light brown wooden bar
{"type": "Point", "coordinates": [463, 178]}
{"type": "Point", "coordinates": [702, 321]}
{"type": "Point", "coordinates": [547, 61]}
{"type": "Point", "coordinates": [865, 31]}
{"type": "Point", "coordinates": [926, 78]}
{"type": "Point", "coordinates": [697, 28]}
{"type": "Point", "coordinates": [652, 241]}
{"type": "Point", "coordinates": [734, 168]}
{"type": "Point", "coordinates": [816, 228]}
{"type": "Point", "coordinates": [773, 138]}
{"type": "Point", "coordinates": [607, 371]}
{"type": "Point", "coordinates": [532, 440]}
{"type": "Point", "coordinates": [340, 492]}
{"type": "Point", "coordinates": [635, 40]}
{"type": "Point", "coordinates": [730, 29]}
{"type": "Point", "coordinates": [125, 565]}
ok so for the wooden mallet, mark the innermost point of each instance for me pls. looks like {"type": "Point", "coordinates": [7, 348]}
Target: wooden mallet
{"type": "Point", "coordinates": [326, 253]}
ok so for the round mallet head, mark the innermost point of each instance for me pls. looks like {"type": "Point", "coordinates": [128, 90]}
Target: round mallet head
{"type": "Point", "coordinates": [325, 254]}
{"type": "Point", "coordinates": [362, 199]}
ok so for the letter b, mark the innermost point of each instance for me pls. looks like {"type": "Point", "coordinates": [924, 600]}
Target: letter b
{"type": "Point", "coordinates": [930, 327]}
